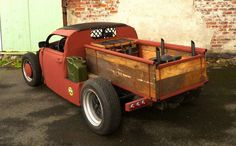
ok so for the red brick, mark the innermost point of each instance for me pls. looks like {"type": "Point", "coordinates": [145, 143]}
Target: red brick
{"type": "Point", "coordinates": [228, 12]}
{"type": "Point", "coordinates": [220, 15]}
{"type": "Point", "coordinates": [216, 45]}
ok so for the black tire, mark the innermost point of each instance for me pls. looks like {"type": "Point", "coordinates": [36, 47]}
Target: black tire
{"type": "Point", "coordinates": [110, 114]}
{"type": "Point", "coordinates": [36, 69]}
{"type": "Point", "coordinates": [192, 95]}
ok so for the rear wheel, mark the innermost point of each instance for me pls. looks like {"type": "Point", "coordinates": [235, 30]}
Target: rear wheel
{"type": "Point", "coordinates": [31, 69]}
{"type": "Point", "coordinates": [100, 106]}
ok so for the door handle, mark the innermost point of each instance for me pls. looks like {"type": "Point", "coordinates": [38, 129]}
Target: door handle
{"type": "Point", "coordinates": [59, 60]}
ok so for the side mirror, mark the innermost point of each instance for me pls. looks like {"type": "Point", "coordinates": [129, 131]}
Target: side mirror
{"type": "Point", "coordinates": [43, 44]}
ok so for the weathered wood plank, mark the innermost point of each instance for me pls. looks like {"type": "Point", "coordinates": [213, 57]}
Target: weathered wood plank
{"type": "Point", "coordinates": [124, 75]}
{"type": "Point", "coordinates": [153, 84]}
{"type": "Point", "coordinates": [177, 53]}
{"type": "Point", "coordinates": [175, 83]}
{"type": "Point", "coordinates": [148, 52]}
{"type": "Point", "coordinates": [139, 66]}
{"type": "Point", "coordinates": [177, 69]}
{"type": "Point", "coordinates": [119, 43]}
{"type": "Point", "coordinates": [124, 72]}
{"type": "Point", "coordinates": [91, 60]}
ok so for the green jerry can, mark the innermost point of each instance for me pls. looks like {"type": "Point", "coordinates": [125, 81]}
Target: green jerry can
{"type": "Point", "coordinates": [77, 69]}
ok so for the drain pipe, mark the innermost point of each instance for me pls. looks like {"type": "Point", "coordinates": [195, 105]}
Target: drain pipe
{"type": "Point", "coordinates": [64, 4]}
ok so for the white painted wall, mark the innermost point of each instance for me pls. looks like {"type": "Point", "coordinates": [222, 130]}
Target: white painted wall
{"type": "Point", "coordinates": [154, 20]}
{"type": "Point", "coordinates": [0, 35]}
{"type": "Point", "coordinates": [26, 22]}
{"type": "Point", "coordinates": [174, 20]}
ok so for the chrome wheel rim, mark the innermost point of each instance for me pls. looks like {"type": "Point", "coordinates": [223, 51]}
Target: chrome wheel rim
{"type": "Point", "coordinates": [92, 107]}
{"type": "Point", "coordinates": [29, 79]}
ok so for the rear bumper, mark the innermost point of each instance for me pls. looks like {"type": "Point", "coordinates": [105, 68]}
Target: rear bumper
{"type": "Point", "coordinates": [143, 102]}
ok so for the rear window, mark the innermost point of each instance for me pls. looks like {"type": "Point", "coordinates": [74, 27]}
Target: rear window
{"type": "Point", "coordinates": [100, 33]}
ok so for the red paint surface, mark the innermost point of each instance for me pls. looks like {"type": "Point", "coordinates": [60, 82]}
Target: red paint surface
{"type": "Point", "coordinates": [63, 32]}
{"type": "Point", "coordinates": [54, 72]}
{"type": "Point", "coordinates": [137, 104]}
{"type": "Point", "coordinates": [54, 65]}
{"type": "Point", "coordinates": [28, 69]}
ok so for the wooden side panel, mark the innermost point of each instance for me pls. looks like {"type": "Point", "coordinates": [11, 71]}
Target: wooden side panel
{"type": "Point", "coordinates": [181, 68]}
{"type": "Point", "coordinates": [91, 60]}
{"type": "Point", "coordinates": [153, 84]}
{"type": "Point", "coordinates": [180, 76]}
{"type": "Point", "coordinates": [148, 52]}
{"type": "Point", "coordinates": [123, 72]}
{"type": "Point", "coordinates": [177, 53]}
{"type": "Point", "coordinates": [144, 79]}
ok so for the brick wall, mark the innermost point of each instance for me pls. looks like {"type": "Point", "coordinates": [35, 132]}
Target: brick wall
{"type": "Point", "coordinates": [92, 10]}
{"type": "Point", "coordinates": [211, 23]}
{"type": "Point", "coordinates": [219, 15]}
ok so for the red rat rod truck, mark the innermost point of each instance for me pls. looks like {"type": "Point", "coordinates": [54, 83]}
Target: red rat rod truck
{"type": "Point", "coordinates": [114, 64]}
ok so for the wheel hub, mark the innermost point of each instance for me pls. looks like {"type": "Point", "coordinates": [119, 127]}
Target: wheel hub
{"type": "Point", "coordinates": [28, 69]}
{"type": "Point", "coordinates": [93, 107]}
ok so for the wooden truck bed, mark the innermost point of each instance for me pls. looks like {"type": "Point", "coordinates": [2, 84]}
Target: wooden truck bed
{"type": "Point", "coordinates": [140, 75]}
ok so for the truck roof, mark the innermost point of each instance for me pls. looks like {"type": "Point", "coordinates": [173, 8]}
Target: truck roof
{"type": "Point", "coordinates": [92, 25]}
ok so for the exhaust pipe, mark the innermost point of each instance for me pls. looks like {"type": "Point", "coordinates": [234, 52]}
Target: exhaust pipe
{"type": "Point", "coordinates": [193, 48]}
{"type": "Point", "coordinates": [158, 56]}
{"type": "Point", "coordinates": [162, 46]}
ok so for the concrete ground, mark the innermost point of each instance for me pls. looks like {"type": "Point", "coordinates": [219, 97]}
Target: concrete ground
{"type": "Point", "coordinates": [37, 116]}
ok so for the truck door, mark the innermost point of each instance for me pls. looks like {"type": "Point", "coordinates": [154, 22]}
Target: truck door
{"type": "Point", "coordinates": [54, 63]}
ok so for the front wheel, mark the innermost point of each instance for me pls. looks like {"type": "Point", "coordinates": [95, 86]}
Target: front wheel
{"type": "Point", "coordinates": [31, 69]}
{"type": "Point", "coordinates": [100, 106]}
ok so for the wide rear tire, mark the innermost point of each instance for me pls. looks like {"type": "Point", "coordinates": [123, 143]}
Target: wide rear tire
{"type": "Point", "coordinates": [101, 106]}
